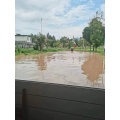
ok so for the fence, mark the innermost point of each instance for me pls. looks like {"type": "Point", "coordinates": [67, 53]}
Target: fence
{"type": "Point", "coordinates": [46, 101]}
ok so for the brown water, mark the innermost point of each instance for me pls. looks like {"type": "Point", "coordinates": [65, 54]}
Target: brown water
{"type": "Point", "coordinates": [72, 68]}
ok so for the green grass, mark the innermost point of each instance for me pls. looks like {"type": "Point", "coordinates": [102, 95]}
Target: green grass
{"type": "Point", "coordinates": [81, 49]}
{"type": "Point", "coordinates": [100, 50]}
{"type": "Point", "coordinates": [27, 51]}
{"type": "Point", "coordinates": [54, 49]}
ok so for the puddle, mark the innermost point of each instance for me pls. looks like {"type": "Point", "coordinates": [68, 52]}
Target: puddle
{"type": "Point", "coordinates": [76, 68]}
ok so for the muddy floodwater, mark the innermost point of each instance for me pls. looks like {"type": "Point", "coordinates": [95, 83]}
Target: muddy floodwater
{"type": "Point", "coordinates": [71, 68]}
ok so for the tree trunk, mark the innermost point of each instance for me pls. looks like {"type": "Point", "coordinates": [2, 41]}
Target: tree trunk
{"type": "Point", "coordinates": [90, 48]}
{"type": "Point", "coordinates": [93, 48]}
{"type": "Point", "coordinates": [96, 49]}
{"type": "Point", "coordinates": [40, 46]}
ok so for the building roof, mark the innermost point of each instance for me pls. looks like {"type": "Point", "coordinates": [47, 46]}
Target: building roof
{"type": "Point", "coordinates": [21, 35]}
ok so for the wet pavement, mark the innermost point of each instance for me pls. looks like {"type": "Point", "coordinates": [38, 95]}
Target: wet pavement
{"type": "Point", "coordinates": [71, 68]}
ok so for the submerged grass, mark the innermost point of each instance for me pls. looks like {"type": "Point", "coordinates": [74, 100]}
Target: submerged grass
{"type": "Point", "coordinates": [27, 51]}
{"type": "Point", "coordinates": [99, 50]}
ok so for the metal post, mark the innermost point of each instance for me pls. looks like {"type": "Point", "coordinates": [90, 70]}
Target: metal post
{"type": "Point", "coordinates": [41, 25]}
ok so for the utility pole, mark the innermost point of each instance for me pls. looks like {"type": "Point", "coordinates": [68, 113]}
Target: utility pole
{"type": "Point", "coordinates": [41, 25]}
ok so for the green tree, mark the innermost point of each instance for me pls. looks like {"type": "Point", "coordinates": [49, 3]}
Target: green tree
{"type": "Point", "coordinates": [58, 43]}
{"type": "Point", "coordinates": [64, 40]}
{"type": "Point", "coordinates": [86, 35]}
{"type": "Point", "coordinates": [34, 38]}
{"type": "Point", "coordinates": [76, 41]}
{"type": "Point", "coordinates": [51, 42]}
{"type": "Point", "coordinates": [40, 41]}
{"type": "Point", "coordinates": [95, 32]}
{"type": "Point", "coordinates": [83, 43]}
{"type": "Point", "coordinates": [70, 44]}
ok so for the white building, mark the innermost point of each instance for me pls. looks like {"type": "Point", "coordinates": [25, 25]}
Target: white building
{"type": "Point", "coordinates": [23, 41]}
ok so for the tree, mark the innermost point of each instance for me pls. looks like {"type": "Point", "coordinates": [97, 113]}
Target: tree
{"type": "Point", "coordinates": [86, 35]}
{"type": "Point", "coordinates": [47, 35]}
{"type": "Point", "coordinates": [83, 43]}
{"type": "Point", "coordinates": [51, 40]}
{"type": "Point", "coordinates": [53, 37]}
{"type": "Point", "coordinates": [34, 38]}
{"type": "Point", "coordinates": [58, 43]}
{"type": "Point", "coordinates": [76, 41]}
{"type": "Point", "coordinates": [95, 32]}
{"type": "Point", "coordinates": [64, 40]}
{"type": "Point", "coordinates": [103, 34]}
{"type": "Point", "coordinates": [70, 44]}
{"type": "Point", "coordinates": [40, 41]}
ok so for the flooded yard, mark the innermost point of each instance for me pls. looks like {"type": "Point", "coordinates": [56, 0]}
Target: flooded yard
{"type": "Point", "coordinates": [72, 68]}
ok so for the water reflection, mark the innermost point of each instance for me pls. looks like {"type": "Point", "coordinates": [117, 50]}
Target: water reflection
{"type": "Point", "coordinates": [93, 67]}
{"type": "Point", "coordinates": [62, 67]}
{"type": "Point", "coordinates": [41, 61]}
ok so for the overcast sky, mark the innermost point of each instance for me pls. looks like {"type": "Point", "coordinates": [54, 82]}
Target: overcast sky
{"type": "Point", "coordinates": [59, 17]}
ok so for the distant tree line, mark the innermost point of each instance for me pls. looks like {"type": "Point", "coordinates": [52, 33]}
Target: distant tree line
{"type": "Point", "coordinates": [93, 36]}
{"type": "Point", "coordinates": [41, 41]}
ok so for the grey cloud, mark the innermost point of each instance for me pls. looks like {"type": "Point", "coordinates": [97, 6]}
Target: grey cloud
{"type": "Point", "coordinates": [57, 15]}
